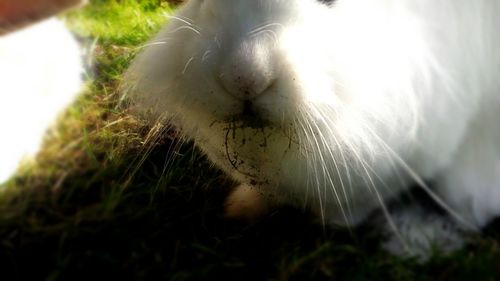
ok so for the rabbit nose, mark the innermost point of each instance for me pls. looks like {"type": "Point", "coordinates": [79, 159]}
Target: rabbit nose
{"type": "Point", "coordinates": [248, 71]}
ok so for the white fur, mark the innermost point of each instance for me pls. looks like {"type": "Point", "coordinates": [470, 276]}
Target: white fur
{"type": "Point", "coordinates": [361, 98]}
{"type": "Point", "coordinates": [40, 74]}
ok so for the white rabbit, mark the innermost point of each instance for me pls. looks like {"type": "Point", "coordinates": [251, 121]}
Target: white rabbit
{"type": "Point", "coordinates": [339, 106]}
{"type": "Point", "coordinates": [40, 74]}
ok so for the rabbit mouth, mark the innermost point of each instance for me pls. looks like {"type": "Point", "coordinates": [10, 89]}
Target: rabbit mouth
{"type": "Point", "coordinates": [248, 118]}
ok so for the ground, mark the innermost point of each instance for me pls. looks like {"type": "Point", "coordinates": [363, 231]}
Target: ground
{"type": "Point", "coordinates": [102, 201]}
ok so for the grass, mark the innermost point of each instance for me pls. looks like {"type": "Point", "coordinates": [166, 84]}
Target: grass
{"type": "Point", "coordinates": [98, 203]}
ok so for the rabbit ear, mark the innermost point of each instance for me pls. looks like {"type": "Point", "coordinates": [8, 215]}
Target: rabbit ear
{"type": "Point", "coordinates": [18, 13]}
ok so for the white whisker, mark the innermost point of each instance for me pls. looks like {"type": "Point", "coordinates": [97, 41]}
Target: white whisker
{"type": "Point", "coordinates": [263, 27]}
{"type": "Point", "coordinates": [205, 55]}
{"type": "Point", "coordinates": [185, 27]}
{"type": "Point", "coordinates": [373, 188]}
{"type": "Point", "coordinates": [183, 19]}
{"type": "Point", "coordinates": [421, 183]}
{"type": "Point", "coordinates": [154, 43]}
{"type": "Point", "coordinates": [327, 121]}
{"type": "Point", "coordinates": [187, 65]}
{"type": "Point", "coordinates": [326, 172]}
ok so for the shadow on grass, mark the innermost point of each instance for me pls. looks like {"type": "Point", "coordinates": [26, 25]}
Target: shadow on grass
{"type": "Point", "coordinates": [97, 227]}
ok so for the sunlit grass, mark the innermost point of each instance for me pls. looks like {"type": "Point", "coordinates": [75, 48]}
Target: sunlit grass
{"type": "Point", "coordinates": [121, 21]}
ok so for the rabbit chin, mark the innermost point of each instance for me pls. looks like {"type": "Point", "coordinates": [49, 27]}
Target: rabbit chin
{"type": "Point", "coordinates": [292, 164]}
{"type": "Point", "coordinates": [41, 71]}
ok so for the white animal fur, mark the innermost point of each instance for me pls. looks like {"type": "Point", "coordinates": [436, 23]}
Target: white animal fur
{"type": "Point", "coordinates": [40, 74]}
{"type": "Point", "coordinates": [355, 101]}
